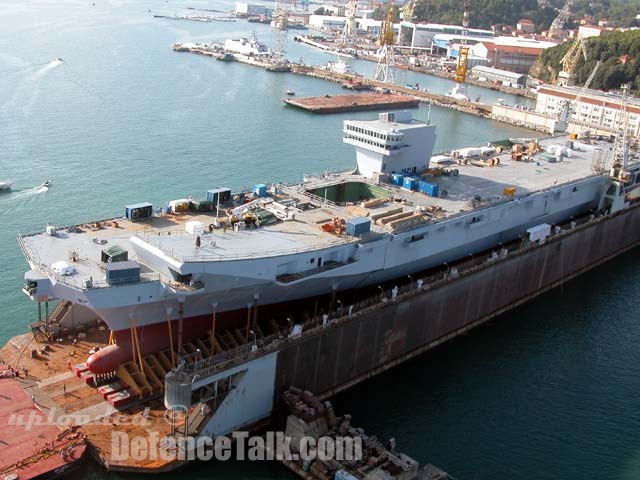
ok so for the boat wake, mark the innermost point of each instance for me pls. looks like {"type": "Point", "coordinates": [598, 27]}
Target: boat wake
{"type": "Point", "coordinates": [48, 67]}
{"type": "Point", "coordinates": [19, 198]}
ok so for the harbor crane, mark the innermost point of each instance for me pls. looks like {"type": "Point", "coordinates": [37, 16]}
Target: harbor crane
{"type": "Point", "coordinates": [567, 76]}
{"type": "Point", "coordinates": [459, 92]}
{"type": "Point", "coordinates": [615, 196]}
{"type": "Point", "coordinates": [279, 23]}
{"type": "Point", "coordinates": [409, 11]}
{"type": "Point", "coordinates": [620, 155]}
{"type": "Point", "coordinates": [571, 107]}
{"type": "Point", "coordinates": [385, 70]}
{"type": "Point", "coordinates": [349, 30]}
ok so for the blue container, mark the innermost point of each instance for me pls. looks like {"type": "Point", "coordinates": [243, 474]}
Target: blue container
{"type": "Point", "coordinates": [358, 225]}
{"type": "Point", "coordinates": [410, 183]}
{"type": "Point", "coordinates": [427, 188]}
{"type": "Point", "coordinates": [396, 179]}
{"type": "Point", "coordinates": [260, 190]}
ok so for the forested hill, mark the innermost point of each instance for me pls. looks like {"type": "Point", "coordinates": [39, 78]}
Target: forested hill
{"type": "Point", "coordinates": [619, 53]}
{"type": "Point", "coordinates": [485, 13]}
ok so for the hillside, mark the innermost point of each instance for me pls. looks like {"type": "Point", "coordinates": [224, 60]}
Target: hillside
{"type": "Point", "coordinates": [485, 13]}
{"type": "Point", "coordinates": [618, 51]}
{"type": "Point", "coordinates": [620, 13]}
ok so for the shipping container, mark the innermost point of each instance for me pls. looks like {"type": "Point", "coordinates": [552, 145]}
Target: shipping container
{"type": "Point", "coordinates": [260, 190]}
{"type": "Point", "coordinates": [396, 179]}
{"type": "Point", "coordinates": [138, 211]}
{"type": "Point", "coordinates": [122, 272]}
{"type": "Point", "coordinates": [410, 183]}
{"type": "Point", "coordinates": [114, 253]}
{"type": "Point", "coordinates": [220, 194]}
{"type": "Point", "coordinates": [358, 225]}
{"type": "Point", "coordinates": [427, 188]}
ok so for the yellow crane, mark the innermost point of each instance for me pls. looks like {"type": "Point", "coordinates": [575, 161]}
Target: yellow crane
{"type": "Point", "coordinates": [569, 62]}
{"type": "Point", "coordinates": [463, 53]}
{"type": "Point", "coordinates": [408, 11]}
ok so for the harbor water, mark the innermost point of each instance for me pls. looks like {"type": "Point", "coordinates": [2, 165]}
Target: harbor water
{"type": "Point", "coordinates": [93, 98]}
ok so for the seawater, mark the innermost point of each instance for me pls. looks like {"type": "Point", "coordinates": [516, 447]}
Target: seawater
{"type": "Point", "coordinates": [549, 390]}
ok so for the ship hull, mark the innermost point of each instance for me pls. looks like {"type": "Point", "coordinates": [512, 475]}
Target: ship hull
{"type": "Point", "coordinates": [232, 286]}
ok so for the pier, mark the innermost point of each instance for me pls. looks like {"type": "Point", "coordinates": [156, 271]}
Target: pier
{"type": "Point", "coordinates": [445, 101]}
{"type": "Point", "coordinates": [352, 102]}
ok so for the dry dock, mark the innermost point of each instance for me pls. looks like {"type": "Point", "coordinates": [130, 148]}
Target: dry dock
{"type": "Point", "coordinates": [352, 102]}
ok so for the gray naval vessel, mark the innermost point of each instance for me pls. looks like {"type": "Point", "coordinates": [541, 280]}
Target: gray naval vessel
{"type": "Point", "coordinates": [161, 279]}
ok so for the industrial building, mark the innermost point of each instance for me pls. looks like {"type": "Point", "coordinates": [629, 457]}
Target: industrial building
{"type": "Point", "coordinates": [428, 35]}
{"type": "Point", "coordinates": [490, 74]}
{"type": "Point", "coordinates": [326, 22]}
{"type": "Point", "coordinates": [596, 111]}
{"type": "Point", "coordinates": [515, 54]}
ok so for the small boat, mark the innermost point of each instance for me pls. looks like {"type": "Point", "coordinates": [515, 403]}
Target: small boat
{"type": "Point", "coordinates": [45, 184]}
{"type": "Point", "coordinates": [226, 57]}
{"type": "Point", "coordinates": [6, 185]}
{"type": "Point", "coordinates": [291, 93]}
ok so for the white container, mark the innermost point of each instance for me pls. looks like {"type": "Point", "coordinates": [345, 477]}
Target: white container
{"type": "Point", "coordinates": [62, 268]}
{"type": "Point", "coordinates": [194, 227]}
{"type": "Point", "coordinates": [539, 232]}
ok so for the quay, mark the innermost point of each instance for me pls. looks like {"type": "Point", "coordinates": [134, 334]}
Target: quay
{"type": "Point", "coordinates": [352, 103]}
{"type": "Point", "coordinates": [218, 52]}
{"type": "Point", "coordinates": [317, 42]}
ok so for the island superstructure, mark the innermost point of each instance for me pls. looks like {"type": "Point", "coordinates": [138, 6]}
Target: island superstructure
{"type": "Point", "coordinates": [290, 242]}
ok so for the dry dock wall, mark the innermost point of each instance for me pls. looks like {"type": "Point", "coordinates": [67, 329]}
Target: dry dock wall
{"type": "Point", "coordinates": [380, 338]}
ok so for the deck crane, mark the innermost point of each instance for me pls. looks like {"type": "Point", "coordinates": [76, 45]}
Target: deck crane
{"type": "Point", "coordinates": [385, 70]}
{"type": "Point", "coordinates": [459, 92]}
{"type": "Point", "coordinates": [569, 62]}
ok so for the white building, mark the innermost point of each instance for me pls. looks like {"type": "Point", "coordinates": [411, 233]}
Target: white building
{"type": "Point", "coordinates": [422, 35]}
{"type": "Point", "coordinates": [326, 21]}
{"type": "Point", "coordinates": [597, 111]}
{"type": "Point", "coordinates": [395, 143]}
{"type": "Point", "coordinates": [250, 9]}
{"type": "Point", "coordinates": [337, 10]}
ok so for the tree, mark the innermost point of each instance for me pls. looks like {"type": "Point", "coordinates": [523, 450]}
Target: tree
{"type": "Point", "coordinates": [321, 11]}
